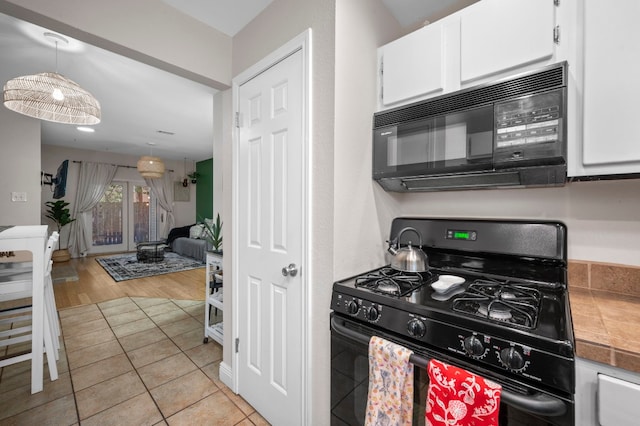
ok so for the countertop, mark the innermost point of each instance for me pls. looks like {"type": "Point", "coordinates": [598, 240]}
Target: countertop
{"type": "Point", "coordinates": [606, 316]}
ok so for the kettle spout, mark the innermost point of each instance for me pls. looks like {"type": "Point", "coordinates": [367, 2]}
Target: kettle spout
{"type": "Point", "coordinates": [393, 248]}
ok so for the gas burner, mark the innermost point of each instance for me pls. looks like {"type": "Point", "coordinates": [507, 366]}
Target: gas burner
{"type": "Point", "coordinates": [501, 301]}
{"type": "Point", "coordinates": [497, 313]}
{"type": "Point", "coordinates": [387, 285]}
{"type": "Point", "coordinates": [392, 282]}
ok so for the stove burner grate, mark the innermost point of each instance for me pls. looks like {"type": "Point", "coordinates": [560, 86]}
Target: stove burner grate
{"type": "Point", "coordinates": [501, 301]}
{"type": "Point", "coordinates": [392, 282]}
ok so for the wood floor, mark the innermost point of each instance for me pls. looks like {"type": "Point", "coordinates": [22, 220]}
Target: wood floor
{"type": "Point", "coordinates": [96, 285]}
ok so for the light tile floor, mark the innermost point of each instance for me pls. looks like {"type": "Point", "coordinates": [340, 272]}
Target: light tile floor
{"type": "Point", "coordinates": [129, 361]}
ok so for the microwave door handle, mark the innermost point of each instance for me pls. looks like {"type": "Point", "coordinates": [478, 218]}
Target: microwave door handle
{"type": "Point", "coordinates": [537, 403]}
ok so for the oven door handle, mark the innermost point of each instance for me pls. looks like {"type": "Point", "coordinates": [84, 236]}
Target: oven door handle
{"type": "Point", "coordinates": [539, 403]}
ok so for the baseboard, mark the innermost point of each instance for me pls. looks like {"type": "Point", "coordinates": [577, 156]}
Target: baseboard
{"type": "Point", "coordinates": [226, 375]}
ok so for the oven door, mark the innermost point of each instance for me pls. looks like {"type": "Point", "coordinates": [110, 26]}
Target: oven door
{"type": "Point", "coordinates": [350, 382]}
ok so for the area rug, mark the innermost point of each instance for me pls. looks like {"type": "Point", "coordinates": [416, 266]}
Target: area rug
{"type": "Point", "coordinates": [63, 274]}
{"type": "Point", "coordinates": [123, 267]}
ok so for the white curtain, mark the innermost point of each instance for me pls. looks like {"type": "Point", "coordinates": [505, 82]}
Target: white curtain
{"type": "Point", "coordinates": [162, 188]}
{"type": "Point", "coordinates": [93, 182]}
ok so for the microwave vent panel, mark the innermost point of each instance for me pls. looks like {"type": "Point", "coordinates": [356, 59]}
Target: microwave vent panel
{"type": "Point", "coordinates": [548, 79]}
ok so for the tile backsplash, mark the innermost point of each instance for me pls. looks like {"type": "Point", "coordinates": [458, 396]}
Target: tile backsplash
{"type": "Point", "coordinates": [609, 277]}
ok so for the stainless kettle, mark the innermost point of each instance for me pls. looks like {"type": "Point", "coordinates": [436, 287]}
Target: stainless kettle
{"type": "Point", "coordinates": [409, 258]}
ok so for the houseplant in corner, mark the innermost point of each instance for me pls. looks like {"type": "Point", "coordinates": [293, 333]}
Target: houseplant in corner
{"type": "Point", "coordinates": [213, 234]}
{"type": "Point", "coordinates": [59, 213]}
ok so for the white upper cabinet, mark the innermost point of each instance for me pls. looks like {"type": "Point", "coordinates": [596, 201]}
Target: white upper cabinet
{"type": "Point", "coordinates": [610, 89]}
{"type": "Point", "coordinates": [503, 35]}
{"type": "Point", "coordinates": [412, 65]}
{"type": "Point", "coordinates": [489, 39]}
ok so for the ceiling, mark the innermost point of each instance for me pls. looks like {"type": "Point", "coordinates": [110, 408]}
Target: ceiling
{"type": "Point", "coordinates": [142, 104]}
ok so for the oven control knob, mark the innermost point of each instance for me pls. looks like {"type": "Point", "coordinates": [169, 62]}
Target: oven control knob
{"type": "Point", "coordinates": [416, 328]}
{"type": "Point", "coordinates": [511, 358]}
{"type": "Point", "coordinates": [372, 314]}
{"type": "Point", "coordinates": [352, 307]}
{"type": "Point", "coordinates": [473, 346]}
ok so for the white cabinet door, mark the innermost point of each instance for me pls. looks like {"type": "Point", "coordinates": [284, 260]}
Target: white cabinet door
{"type": "Point", "coordinates": [611, 87]}
{"type": "Point", "coordinates": [412, 65]}
{"type": "Point", "coordinates": [502, 35]}
{"type": "Point", "coordinates": [617, 401]}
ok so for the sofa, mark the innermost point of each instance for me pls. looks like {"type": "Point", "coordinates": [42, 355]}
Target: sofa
{"type": "Point", "coordinates": [187, 241]}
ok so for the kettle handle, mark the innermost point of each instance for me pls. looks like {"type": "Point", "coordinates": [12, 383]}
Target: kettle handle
{"type": "Point", "coordinates": [409, 228]}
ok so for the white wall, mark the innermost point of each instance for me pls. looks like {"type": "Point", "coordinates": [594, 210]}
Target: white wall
{"type": "Point", "coordinates": [602, 218]}
{"type": "Point", "coordinates": [53, 156]}
{"type": "Point", "coordinates": [218, 153]}
{"type": "Point", "coordinates": [19, 168]}
{"type": "Point", "coordinates": [362, 210]}
{"type": "Point", "coordinates": [149, 31]}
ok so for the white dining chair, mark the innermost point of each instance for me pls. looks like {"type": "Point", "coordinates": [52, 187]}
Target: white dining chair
{"type": "Point", "coordinates": [18, 285]}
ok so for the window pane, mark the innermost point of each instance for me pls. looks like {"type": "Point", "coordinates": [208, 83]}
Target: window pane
{"type": "Point", "coordinates": [141, 196]}
{"type": "Point", "coordinates": [107, 217]}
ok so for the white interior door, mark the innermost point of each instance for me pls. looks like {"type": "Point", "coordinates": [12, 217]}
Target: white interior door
{"type": "Point", "coordinates": [270, 236]}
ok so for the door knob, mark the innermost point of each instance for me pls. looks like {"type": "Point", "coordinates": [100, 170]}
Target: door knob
{"type": "Point", "coordinates": [291, 270]}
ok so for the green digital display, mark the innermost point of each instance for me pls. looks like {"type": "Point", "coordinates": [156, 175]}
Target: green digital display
{"type": "Point", "coordinates": [457, 234]}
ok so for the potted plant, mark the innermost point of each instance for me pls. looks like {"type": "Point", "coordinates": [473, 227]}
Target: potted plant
{"type": "Point", "coordinates": [194, 177]}
{"type": "Point", "coordinates": [58, 212]}
{"type": "Point", "coordinates": [214, 234]}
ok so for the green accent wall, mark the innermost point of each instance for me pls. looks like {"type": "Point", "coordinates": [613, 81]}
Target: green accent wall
{"type": "Point", "coordinates": [204, 190]}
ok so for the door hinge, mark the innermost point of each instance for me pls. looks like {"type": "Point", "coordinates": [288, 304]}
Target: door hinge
{"type": "Point", "coordinates": [556, 34]}
{"type": "Point", "coordinates": [238, 119]}
{"type": "Point", "coordinates": [237, 344]}
{"type": "Point", "coordinates": [556, 2]}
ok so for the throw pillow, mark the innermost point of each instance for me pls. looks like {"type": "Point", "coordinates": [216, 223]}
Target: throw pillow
{"type": "Point", "coordinates": [196, 231]}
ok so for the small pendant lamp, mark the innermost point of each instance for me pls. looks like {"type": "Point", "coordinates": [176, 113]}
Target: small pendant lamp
{"type": "Point", "coordinates": [51, 96]}
{"type": "Point", "coordinates": [150, 166]}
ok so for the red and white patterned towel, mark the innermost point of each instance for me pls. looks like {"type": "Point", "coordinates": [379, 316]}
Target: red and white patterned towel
{"type": "Point", "coordinates": [458, 397]}
{"type": "Point", "coordinates": [390, 399]}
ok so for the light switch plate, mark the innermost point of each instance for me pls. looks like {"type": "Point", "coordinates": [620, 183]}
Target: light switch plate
{"type": "Point", "coordinates": [20, 197]}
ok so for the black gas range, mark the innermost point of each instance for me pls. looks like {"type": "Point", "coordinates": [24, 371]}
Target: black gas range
{"type": "Point", "coordinates": [494, 300]}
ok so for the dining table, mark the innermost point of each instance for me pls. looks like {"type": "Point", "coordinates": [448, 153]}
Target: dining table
{"type": "Point", "coordinates": [31, 238]}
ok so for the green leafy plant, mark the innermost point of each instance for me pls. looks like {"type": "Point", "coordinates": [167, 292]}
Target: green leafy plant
{"type": "Point", "coordinates": [213, 233]}
{"type": "Point", "coordinates": [58, 212]}
{"type": "Point", "coordinates": [194, 176]}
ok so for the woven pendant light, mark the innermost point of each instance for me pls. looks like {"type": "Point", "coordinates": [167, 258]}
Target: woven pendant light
{"type": "Point", "coordinates": [51, 96]}
{"type": "Point", "coordinates": [150, 167]}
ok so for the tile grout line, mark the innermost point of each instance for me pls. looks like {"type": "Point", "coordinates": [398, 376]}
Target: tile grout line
{"type": "Point", "coordinates": [66, 355]}
{"type": "Point", "coordinates": [246, 416]}
{"type": "Point", "coordinates": [147, 390]}
{"type": "Point", "coordinates": [132, 365]}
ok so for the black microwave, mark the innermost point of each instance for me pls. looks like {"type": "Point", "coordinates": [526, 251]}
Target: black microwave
{"type": "Point", "coordinates": [508, 133]}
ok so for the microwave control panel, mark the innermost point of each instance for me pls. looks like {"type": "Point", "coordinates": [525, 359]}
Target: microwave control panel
{"type": "Point", "coordinates": [528, 121]}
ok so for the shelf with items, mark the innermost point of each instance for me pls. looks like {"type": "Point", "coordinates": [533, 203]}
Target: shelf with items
{"type": "Point", "coordinates": [213, 325]}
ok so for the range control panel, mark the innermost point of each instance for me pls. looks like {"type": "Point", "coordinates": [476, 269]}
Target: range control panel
{"type": "Point", "coordinates": [520, 360]}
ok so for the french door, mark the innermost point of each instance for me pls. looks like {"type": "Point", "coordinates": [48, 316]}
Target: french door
{"type": "Point", "coordinates": [125, 216]}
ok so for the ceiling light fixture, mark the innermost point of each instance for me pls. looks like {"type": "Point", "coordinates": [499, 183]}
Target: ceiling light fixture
{"type": "Point", "coordinates": [51, 96]}
{"type": "Point", "coordinates": [86, 129]}
{"type": "Point", "coordinates": [150, 166]}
